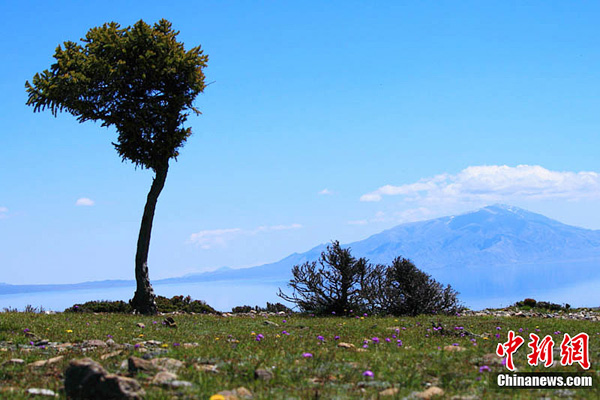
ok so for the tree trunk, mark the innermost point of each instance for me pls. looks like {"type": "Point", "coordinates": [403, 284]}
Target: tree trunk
{"type": "Point", "coordinates": [144, 300]}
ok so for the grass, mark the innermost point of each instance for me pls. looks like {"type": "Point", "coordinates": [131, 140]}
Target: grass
{"type": "Point", "coordinates": [332, 372]}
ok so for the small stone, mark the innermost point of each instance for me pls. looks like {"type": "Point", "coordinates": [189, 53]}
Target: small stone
{"type": "Point", "coordinates": [170, 322]}
{"type": "Point", "coordinates": [228, 395]}
{"type": "Point", "coordinates": [163, 377]}
{"type": "Point", "coordinates": [492, 359]}
{"type": "Point", "coordinates": [94, 343]}
{"type": "Point", "coordinates": [344, 345]}
{"type": "Point", "coordinates": [136, 364]}
{"type": "Point", "coordinates": [109, 342]}
{"type": "Point", "coordinates": [15, 361]}
{"type": "Point", "coordinates": [41, 392]}
{"type": "Point", "coordinates": [263, 374]}
{"type": "Point", "coordinates": [454, 348]}
{"type": "Point", "coordinates": [110, 355]}
{"type": "Point", "coordinates": [430, 392]}
{"type": "Point", "coordinates": [389, 392]}
{"type": "Point", "coordinates": [178, 384]}
{"type": "Point", "coordinates": [243, 392]}
{"type": "Point", "coordinates": [167, 364]}
{"type": "Point", "coordinates": [42, 342]}
{"type": "Point", "coordinates": [43, 363]}
{"type": "Point", "coordinates": [206, 368]}
{"type": "Point", "coordinates": [140, 325]}
{"type": "Point", "coordinates": [271, 323]}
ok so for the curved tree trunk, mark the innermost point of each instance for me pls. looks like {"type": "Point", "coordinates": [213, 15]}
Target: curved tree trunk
{"type": "Point", "coordinates": [144, 300]}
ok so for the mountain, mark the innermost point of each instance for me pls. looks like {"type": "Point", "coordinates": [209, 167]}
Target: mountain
{"type": "Point", "coordinates": [497, 252]}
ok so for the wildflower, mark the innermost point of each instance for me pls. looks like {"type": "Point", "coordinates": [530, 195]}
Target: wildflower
{"type": "Point", "coordinates": [175, 344]}
{"type": "Point", "coordinates": [336, 338]}
{"type": "Point", "coordinates": [362, 317]}
{"type": "Point", "coordinates": [387, 339]}
{"type": "Point", "coordinates": [365, 315]}
{"type": "Point", "coordinates": [394, 336]}
{"type": "Point", "coordinates": [306, 355]}
{"type": "Point", "coordinates": [484, 368]}
{"type": "Point", "coordinates": [320, 338]}
{"type": "Point", "coordinates": [368, 374]}
{"type": "Point", "coordinates": [278, 336]}
{"type": "Point", "coordinates": [164, 345]}
{"type": "Point", "coordinates": [365, 346]}
{"type": "Point", "coordinates": [26, 330]}
{"type": "Point", "coordinates": [109, 336]}
{"type": "Point", "coordinates": [454, 344]}
{"type": "Point", "coordinates": [498, 328]}
{"type": "Point", "coordinates": [557, 332]}
{"type": "Point", "coordinates": [217, 338]}
{"type": "Point", "coordinates": [520, 329]}
{"type": "Point", "coordinates": [497, 335]}
{"type": "Point", "coordinates": [137, 345]}
{"type": "Point", "coordinates": [253, 333]}
{"type": "Point", "coordinates": [399, 342]}
{"type": "Point", "coordinates": [375, 339]}
{"type": "Point", "coordinates": [69, 331]}
{"type": "Point", "coordinates": [284, 333]}
{"type": "Point", "coordinates": [217, 397]}
{"type": "Point", "coordinates": [141, 335]}
{"type": "Point", "coordinates": [31, 343]}
{"type": "Point", "coordinates": [333, 312]}
{"type": "Point", "coordinates": [284, 321]}
{"type": "Point", "coordinates": [154, 322]}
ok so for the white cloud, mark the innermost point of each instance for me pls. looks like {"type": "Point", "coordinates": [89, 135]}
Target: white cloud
{"type": "Point", "coordinates": [325, 192]}
{"type": "Point", "coordinates": [219, 237]}
{"type": "Point", "coordinates": [496, 183]}
{"type": "Point", "coordinates": [84, 201]}
{"type": "Point", "coordinates": [211, 238]}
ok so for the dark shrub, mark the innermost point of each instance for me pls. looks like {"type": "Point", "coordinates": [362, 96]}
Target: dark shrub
{"type": "Point", "coordinates": [333, 285]}
{"type": "Point", "coordinates": [241, 309]}
{"type": "Point", "coordinates": [102, 306]}
{"type": "Point", "coordinates": [278, 307]}
{"type": "Point", "coordinates": [403, 289]}
{"type": "Point", "coordinates": [182, 304]}
{"type": "Point", "coordinates": [529, 302]}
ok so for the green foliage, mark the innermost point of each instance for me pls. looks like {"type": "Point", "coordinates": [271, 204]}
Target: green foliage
{"type": "Point", "coordinates": [183, 304]}
{"type": "Point", "coordinates": [407, 290]}
{"type": "Point", "coordinates": [333, 285]}
{"type": "Point", "coordinates": [529, 302]}
{"type": "Point", "coordinates": [101, 306]}
{"type": "Point", "coordinates": [271, 307]}
{"type": "Point", "coordinates": [139, 79]}
{"type": "Point", "coordinates": [165, 305]}
{"type": "Point", "coordinates": [541, 305]}
{"type": "Point", "coordinates": [341, 284]}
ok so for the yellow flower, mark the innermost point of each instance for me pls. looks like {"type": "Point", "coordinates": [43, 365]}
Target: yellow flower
{"type": "Point", "coordinates": [486, 338]}
{"type": "Point", "coordinates": [141, 335]}
{"type": "Point", "coordinates": [217, 397]}
{"type": "Point", "coordinates": [164, 345]}
{"type": "Point", "coordinates": [69, 331]}
{"type": "Point", "coordinates": [217, 338]}
{"type": "Point", "coordinates": [362, 317]}
{"type": "Point", "coordinates": [277, 336]}
{"type": "Point", "coordinates": [253, 333]}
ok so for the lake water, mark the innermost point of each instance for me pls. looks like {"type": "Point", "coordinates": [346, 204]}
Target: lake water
{"type": "Point", "coordinates": [223, 295]}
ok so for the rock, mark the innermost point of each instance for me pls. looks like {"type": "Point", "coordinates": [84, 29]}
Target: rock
{"type": "Point", "coordinates": [170, 322]}
{"type": "Point", "coordinates": [94, 343]}
{"type": "Point", "coordinates": [85, 379]}
{"type": "Point", "coordinates": [42, 342]}
{"type": "Point", "coordinates": [163, 377]}
{"type": "Point", "coordinates": [206, 368]}
{"type": "Point", "coordinates": [167, 364]}
{"type": "Point", "coordinates": [454, 348]}
{"type": "Point", "coordinates": [344, 345]}
{"type": "Point", "coordinates": [44, 363]}
{"type": "Point", "coordinates": [178, 384]}
{"type": "Point", "coordinates": [430, 392]}
{"type": "Point", "coordinates": [263, 374]}
{"type": "Point", "coordinates": [271, 323]}
{"type": "Point", "coordinates": [15, 361]}
{"type": "Point", "coordinates": [41, 392]}
{"type": "Point", "coordinates": [110, 342]}
{"type": "Point", "coordinates": [389, 392]}
{"type": "Point", "coordinates": [228, 395]}
{"type": "Point", "coordinates": [110, 355]}
{"type": "Point", "coordinates": [136, 364]}
{"type": "Point", "coordinates": [243, 393]}
{"type": "Point", "coordinates": [140, 325]}
{"type": "Point", "coordinates": [492, 359]}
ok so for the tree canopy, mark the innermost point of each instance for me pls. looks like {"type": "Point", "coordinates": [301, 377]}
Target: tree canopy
{"type": "Point", "coordinates": [139, 79]}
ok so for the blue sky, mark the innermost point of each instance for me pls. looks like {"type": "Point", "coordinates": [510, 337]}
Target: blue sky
{"type": "Point", "coordinates": [326, 120]}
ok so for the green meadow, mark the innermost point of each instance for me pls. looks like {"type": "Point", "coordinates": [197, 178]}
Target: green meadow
{"type": "Point", "coordinates": [299, 357]}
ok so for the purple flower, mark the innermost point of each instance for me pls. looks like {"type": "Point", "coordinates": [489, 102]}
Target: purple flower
{"type": "Point", "coordinates": [154, 322]}
{"type": "Point", "coordinates": [306, 355]}
{"type": "Point", "coordinates": [336, 338]}
{"type": "Point", "coordinates": [498, 328]}
{"type": "Point", "coordinates": [365, 346]}
{"type": "Point", "coordinates": [175, 344]}
{"type": "Point", "coordinates": [284, 333]}
{"type": "Point", "coordinates": [375, 339]}
{"type": "Point", "coordinates": [333, 312]}
{"type": "Point", "coordinates": [497, 335]}
{"type": "Point", "coordinates": [454, 344]}
{"type": "Point", "coordinates": [26, 330]}
{"type": "Point", "coordinates": [137, 346]}
{"type": "Point", "coordinates": [557, 333]}
{"type": "Point", "coordinates": [31, 343]}
{"type": "Point", "coordinates": [520, 329]}
{"type": "Point", "coordinates": [484, 368]}
{"type": "Point", "coordinates": [365, 315]}
{"type": "Point", "coordinates": [284, 321]}
{"type": "Point", "coordinates": [368, 374]}
{"type": "Point", "coordinates": [320, 338]}
{"type": "Point", "coordinates": [109, 336]}
{"type": "Point", "coordinates": [387, 339]}
{"type": "Point", "coordinates": [399, 342]}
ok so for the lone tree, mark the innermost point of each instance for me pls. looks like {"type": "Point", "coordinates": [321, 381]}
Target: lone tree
{"type": "Point", "coordinates": [143, 82]}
